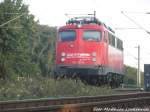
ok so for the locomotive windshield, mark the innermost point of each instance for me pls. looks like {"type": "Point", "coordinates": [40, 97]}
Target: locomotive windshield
{"type": "Point", "coordinates": [92, 35]}
{"type": "Point", "coordinates": [68, 35]}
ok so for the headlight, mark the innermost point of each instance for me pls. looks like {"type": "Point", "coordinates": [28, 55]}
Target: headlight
{"type": "Point", "coordinates": [62, 59]}
{"type": "Point", "coordinates": [63, 54]}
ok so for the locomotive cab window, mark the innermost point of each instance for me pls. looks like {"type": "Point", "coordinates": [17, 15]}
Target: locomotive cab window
{"type": "Point", "coordinates": [92, 35]}
{"type": "Point", "coordinates": [68, 35]}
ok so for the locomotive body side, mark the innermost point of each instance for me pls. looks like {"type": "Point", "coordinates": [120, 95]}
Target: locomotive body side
{"type": "Point", "coordinates": [115, 55]}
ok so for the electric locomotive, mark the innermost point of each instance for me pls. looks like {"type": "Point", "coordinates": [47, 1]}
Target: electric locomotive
{"type": "Point", "coordinates": [88, 49]}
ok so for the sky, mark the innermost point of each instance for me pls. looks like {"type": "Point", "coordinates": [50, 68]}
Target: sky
{"type": "Point", "coordinates": [52, 13]}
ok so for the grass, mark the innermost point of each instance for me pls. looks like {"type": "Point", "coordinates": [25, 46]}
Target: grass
{"type": "Point", "coordinates": [42, 87]}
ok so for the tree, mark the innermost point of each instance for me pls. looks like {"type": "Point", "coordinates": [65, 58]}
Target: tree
{"type": "Point", "coordinates": [15, 42]}
{"type": "Point", "coordinates": [43, 48]}
{"type": "Point", "coordinates": [131, 76]}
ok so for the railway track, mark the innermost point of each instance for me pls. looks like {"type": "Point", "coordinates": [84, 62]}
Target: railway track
{"type": "Point", "coordinates": [128, 90]}
{"type": "Point", "coordinates": [80, 104]}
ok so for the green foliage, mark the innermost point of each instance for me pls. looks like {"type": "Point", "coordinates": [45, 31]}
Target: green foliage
{"type": "Point", "coordinates": [40, 87]}
{"type": "Point", "coordinates": [15, 39]}
{"type": "Point", "coordinates": [131, 76]}
{"type": "Point", "coordinates": [26, 48]}
{"type": "Point", "coordinates": [43, 46]}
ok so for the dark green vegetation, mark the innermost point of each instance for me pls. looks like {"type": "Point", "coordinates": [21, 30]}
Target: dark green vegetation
{"type": "Point", "coordinates": [26, 48]}
{"type": "Point", "coordinates": [130, 78]}
{"type": "Point", "coordinates": [42, 87]}
{"type": "Point", "coordinates": [27, 58]}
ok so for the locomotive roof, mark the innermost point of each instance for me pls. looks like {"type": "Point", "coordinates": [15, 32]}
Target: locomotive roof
{"type": "Point", "coordinates": [87, 20]}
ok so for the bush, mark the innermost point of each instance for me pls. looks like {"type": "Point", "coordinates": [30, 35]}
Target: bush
{"type": "Point", "coordinates": [42, 87]}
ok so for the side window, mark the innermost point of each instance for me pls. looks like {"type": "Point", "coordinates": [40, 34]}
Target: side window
{"type": "Point", "coordinates": [110, 38]}
{"type": "Point", "coordinates": [119, 44]}
{"type": "Point", "coordinates": [113, 40]}
{"type": "Point", "coordinates": [105, 36]}
{"type": "Point", "coordinates": [116, 39]}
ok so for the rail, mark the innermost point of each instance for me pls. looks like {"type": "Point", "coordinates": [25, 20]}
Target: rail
{"type": "Point", "coordinates": [78, 104]}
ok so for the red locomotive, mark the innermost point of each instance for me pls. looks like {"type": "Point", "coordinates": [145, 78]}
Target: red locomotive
{"type": "Point", "coordinates": [88, 49]}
